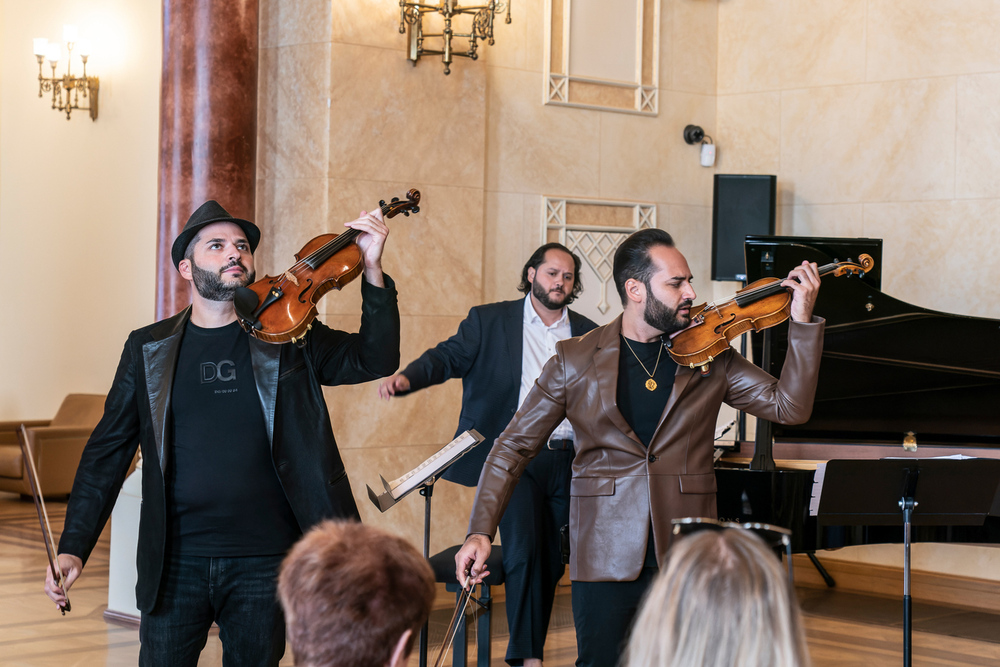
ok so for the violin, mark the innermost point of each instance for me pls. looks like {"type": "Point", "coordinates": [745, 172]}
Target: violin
{"type": "Point", "coordinates": [279, 309]}
{"type": "Point", "coordinates": [758, 306]}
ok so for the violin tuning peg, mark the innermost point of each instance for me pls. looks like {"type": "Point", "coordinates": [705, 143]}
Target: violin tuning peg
{"type": "Point", "coordinates": [406, 214]}
{"type": "Point", "coordinates": [394, 200]}
{"type": "Point", "coordinates": [416, 209]}
{"type": "Point", "coordinates": [381, 202]}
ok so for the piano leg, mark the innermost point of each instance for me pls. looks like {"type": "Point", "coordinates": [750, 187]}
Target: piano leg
{"type": "Point", "coordinates": [830, 582]}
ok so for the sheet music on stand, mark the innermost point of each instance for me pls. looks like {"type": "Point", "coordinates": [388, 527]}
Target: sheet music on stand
{"type": "Point", "coordinates": [426, 472]}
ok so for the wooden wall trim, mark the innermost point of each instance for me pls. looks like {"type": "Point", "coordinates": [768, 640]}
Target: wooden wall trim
{"type": "Point", "coordinates": [883, 581]}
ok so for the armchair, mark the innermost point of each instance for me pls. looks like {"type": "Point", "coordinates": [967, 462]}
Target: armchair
{"type": "Point", "coordinates": [57, 446]}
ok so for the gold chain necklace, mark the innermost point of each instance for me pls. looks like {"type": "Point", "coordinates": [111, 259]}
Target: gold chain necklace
{"type": "Point", "coordinates": [650, 383]}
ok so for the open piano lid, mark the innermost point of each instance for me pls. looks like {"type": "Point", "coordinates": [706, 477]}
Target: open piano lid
{"type": "Point", "coordinates": [888, 367]}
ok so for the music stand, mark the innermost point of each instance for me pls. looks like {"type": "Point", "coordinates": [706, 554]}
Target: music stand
{"type": "Point", "coordinates": [908, 492]}
{"type": "Point", "coordinates": [422, 478]}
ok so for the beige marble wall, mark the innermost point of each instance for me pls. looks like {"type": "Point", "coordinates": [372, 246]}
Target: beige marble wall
{"type": "Point", "coordinates": [346, 120]}
{"type": "Point", "coordinates": [534, 150]}
{"type": "Point", "coordinates": [880, 119]}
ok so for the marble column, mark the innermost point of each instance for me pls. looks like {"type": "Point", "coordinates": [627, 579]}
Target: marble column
{"type": "Point", "coordinates": [208, 123]}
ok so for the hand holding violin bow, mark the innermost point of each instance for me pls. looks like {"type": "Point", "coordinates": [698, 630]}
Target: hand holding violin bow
{"type": "Point", "coordinates": [57, 588]}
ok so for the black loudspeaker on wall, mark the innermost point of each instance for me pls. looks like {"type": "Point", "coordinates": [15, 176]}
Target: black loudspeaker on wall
{"type": "Point", "coordinates": [742, 205]}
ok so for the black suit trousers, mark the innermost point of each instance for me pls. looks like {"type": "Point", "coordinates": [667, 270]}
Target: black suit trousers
{"type": "Point", "coordinates": [603, 612]}
{"type": "Point", "coordinates": [532, 561]}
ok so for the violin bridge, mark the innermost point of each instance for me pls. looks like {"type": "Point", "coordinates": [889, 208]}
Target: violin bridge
{"type": "Point", "coordinates": [289, 276]}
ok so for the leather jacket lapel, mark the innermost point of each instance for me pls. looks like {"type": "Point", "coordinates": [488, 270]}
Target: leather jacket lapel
{"type": "Point", "coordinates": [159, 357]}
{"type": "Point", "coordinates": [266, 361]}
{"type": "Point", "coordinates": [606, 365]}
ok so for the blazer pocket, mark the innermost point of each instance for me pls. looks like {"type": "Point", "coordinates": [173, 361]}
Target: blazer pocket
{"type": "Point", "coordinates": [704, 483]}
{"type": "Point", "coordinates": [592, 486]}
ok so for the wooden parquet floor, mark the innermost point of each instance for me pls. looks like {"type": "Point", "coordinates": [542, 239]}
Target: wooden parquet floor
{"type": "Point", "coordinates": [843, 629]}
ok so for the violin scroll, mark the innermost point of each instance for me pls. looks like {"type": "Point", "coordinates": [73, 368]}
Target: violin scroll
{"type": "Point", "coordinates": [864, 264]}
{"type": "Point", "coordinates": [395, 206]}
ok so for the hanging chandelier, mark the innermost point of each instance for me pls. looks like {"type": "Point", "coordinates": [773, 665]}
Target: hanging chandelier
{"type": "Point", "coordinates": [412, 14]}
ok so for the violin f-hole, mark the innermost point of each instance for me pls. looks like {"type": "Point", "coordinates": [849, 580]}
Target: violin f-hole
{"type": "Point", "coordinates": [309, 284]}
{"type": "Point", "coordinates": [720, 327]}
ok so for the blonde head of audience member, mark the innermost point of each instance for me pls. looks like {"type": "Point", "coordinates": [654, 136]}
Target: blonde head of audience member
{"type": "Point", "coordinates": [354, 596]}
{"type": "Point", "coordinates": [723, 600]}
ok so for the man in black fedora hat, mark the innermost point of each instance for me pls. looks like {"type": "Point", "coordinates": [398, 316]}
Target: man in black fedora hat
{"type": "Point", "coordinates": [239, 457]}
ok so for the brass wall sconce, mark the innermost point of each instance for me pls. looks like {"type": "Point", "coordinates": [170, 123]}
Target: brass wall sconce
{"type": "Point", "coordinates": [695, 135]}
{"type": "Point", "coordinates": [67, 89]}
{"type": "Point", "coordinates": [412, 14]}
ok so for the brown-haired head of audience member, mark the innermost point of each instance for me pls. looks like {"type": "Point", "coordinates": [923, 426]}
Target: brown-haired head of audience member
{"type": "Point", "coordinates": [723, 600]}
{"type": "Point", "coordinates": [354, 595]}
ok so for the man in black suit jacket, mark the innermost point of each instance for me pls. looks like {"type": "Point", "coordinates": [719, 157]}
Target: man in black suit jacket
{"type": "Point", "coordinates": [497, 370]}
{"type": "Point", "coordinates": [239, 455]}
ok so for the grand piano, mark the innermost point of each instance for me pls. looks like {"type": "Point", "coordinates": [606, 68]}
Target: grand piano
{"type": "Point", "coordinates": [896, 380]}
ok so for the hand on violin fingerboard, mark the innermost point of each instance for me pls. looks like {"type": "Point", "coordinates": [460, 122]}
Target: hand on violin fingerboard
{"type": "Point", "coordinates": [371, 242]}
{"type": "Point", "coordinates": [804, 283]}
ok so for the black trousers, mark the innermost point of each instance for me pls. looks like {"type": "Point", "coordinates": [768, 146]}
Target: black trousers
{"type": "Point", "coordinates": [603, 612]}
{"type": "Point", "coordinates": [532, 562]}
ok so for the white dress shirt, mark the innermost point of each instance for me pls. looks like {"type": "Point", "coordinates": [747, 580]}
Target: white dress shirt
{"type": "Point", "coordinates": [538, 344]}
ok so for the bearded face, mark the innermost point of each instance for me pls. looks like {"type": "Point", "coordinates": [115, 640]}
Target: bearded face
{"type": "Point", "coordinates": [662, 317]}
{"type": "Point", "coordinates": [217, 287]}
{"type": "Point", "coordinates": [553, 299]}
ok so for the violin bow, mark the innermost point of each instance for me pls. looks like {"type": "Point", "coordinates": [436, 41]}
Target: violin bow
{"type": "Point", "coordinates": [460, 607]}
{"type": "Point", "coordinates": [43, 515]}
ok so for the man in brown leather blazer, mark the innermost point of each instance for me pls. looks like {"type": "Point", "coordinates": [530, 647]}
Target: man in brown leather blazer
{"type": "Point", "coordinates": [644, 434]}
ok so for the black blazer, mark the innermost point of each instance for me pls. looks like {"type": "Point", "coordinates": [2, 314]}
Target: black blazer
{"type": "Point", "coordinates": [486, 354]}
{"type": "Point", "coordinates": [289, 383]}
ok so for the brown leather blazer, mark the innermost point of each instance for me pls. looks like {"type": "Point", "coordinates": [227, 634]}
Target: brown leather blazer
{"type": "Point", "coordinates": [619, 486]}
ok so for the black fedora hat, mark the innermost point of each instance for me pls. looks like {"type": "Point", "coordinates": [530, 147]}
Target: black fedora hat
{"type": "Point", "coordinates": [209, 212]}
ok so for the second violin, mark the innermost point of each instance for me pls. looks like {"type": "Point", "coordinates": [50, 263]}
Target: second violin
{"type": "Point", "coordinates": [758, 306]}
{"type": "Point", "coordinates": [280, 309]}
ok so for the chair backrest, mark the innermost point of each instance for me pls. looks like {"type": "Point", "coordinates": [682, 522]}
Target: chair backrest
{"type": "Point", "coordinates": [80, 410]}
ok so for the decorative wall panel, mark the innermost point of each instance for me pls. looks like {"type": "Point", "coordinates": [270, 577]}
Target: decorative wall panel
{"type": "Point", "coordinates": [593, 229]}
{"type": "Point", "coordinates": [566, 87]}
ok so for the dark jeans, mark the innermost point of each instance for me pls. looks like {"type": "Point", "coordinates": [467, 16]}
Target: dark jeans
{"type": "Point", "coordinates": [239, 594]}
{"type": "Point", "coordinates": [603, 612]}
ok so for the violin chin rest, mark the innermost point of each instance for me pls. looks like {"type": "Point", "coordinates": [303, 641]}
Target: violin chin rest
{"type": "Point", "coordinates": [245, 302]}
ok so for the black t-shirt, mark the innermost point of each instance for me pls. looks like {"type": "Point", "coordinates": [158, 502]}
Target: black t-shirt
{"type": "Point", "coordinates": [641, 407]}
{"type": "Point", "coordinates": [224, 495]}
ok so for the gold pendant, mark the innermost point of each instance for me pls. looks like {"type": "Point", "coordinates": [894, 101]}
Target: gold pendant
{"type": "Point", "coordinates": [651, 384]}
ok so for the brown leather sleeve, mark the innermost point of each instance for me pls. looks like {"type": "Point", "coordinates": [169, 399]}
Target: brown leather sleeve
{"type": "Point", "coordinates": [788, 400]}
